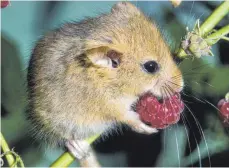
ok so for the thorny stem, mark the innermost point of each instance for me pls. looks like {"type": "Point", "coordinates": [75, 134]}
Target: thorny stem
{"type": "Point", "coordinates": [214, 18]}
{"type": "Point", "coordinates": [209, 24]}
{"type": "Point", "coordinates": [9, 157]}
{"type": "Point", "coordinates": [219, 34]}
{"type": "Point", "coordinates": [66, 159]}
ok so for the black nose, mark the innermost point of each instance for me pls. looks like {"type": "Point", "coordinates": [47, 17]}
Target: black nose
{"type": "Point", "coordinates": [151, 66]}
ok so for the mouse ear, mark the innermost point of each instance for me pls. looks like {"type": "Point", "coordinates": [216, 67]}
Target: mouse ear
{"type": "Point", "coordinates": [104, 57]}
{"type": "Point", "coordinates": [125, 8]}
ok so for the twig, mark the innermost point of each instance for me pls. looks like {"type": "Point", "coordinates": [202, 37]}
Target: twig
{"type": "Point", "coordinates": [219, 34]}
{"type": "Point", "coordinates": [214, 18]}
{"type": "Point", "coordinates": [66, 159]}
{"type": "Point", "coordinates": [9, 157]}
{"type": "Point", "coordinates": [209, 24]}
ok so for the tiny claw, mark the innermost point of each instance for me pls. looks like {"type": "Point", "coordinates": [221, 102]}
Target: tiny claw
{"type": "Point", "coordinates": [79, 149]}
{"type": "Point", "coordinates": [143, 128]}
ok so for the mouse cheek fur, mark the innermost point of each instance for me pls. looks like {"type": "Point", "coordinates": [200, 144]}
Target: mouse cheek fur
{"type": "Point", "coordinates": [166, 85]}
{"type": "Point", "coordinates": [171, 79]}
{"type": "Point", "coordinates": [175, 82]}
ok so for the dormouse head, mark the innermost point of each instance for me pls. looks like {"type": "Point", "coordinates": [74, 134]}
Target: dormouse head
{"type": "Point", "coordinates": [128, 55]}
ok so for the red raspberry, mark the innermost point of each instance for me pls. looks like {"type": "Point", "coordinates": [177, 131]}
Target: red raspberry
{"type": "Point", "coordinates": [4, 3]}
{"type": "Point", "coordinates": [223, 106]}
{"type": "Point", "coordinates": [160, 114]}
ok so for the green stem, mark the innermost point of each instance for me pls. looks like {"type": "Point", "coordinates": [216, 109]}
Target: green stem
{"type": "Point", "coordinates": [225, 38]}
{"type": "Point", "coordinates": [214, 18]}
{"type": "Point", "coordinates": [66, 159]}
{"type": "Point", "coordinates": [181, 53]}
{"type": "Point", "coordinates": [9, 157]}
{"type": "Point", "coordinates": [219, 34]}
{"type": "Point", "coordinates": [210, 23]}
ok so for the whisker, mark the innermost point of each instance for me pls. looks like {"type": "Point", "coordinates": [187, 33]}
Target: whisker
{"type": "Point", "coordinates": [208, 84]}
{"type": "Point", "coordinates": [205, 101]}
{"type": "Point", "coordinates": [182, 92]}
{"type": "Point", "coordinates": [202, 15]}
{"type": "Point", "coordinates": [189, 74]}
{"type": "Point", "coordinates": [192, 69]}
{"type": "Point", "coordinates": [218, 111]}
{"type": "Point", "coordinates": [178, 153]}
{"type": "Point", "coordinates": [212, 105]}
{"type": "Point", "coordinates": [186, 131]}
{"type": "Point", "coordinates": [164, 90]}
{"type": "Point", "coordinates": [186, 24]}
{"type": "Point", "coordinates": [203, 82]}
{"type": "Point", "coordinates": [193, 97]}
{"type": "Point", "coordinates": [164, 144]}
{"type": "Point", "coordinates": [196, 121]}
{"type": "Point", "coordinates": [173, 83]}
{"type": "Point", "coordinates": [198, 67]}
{"type": "Point", "coordinates": [198, 125]}
{"type": "Point", "coordinates": [186, 74]}
{"type": "Point", "coordinates": [198, 83]}
{"type": "Point", "coordinates": [201, 132]}
{"type": "Point", "coordinates": [197, 145]}
{"type": "Point", "coordinates": [170, 91]}
{"type": "Point", "coordinates": [164, 129]}
{"type": "Point", "coordinates": [188, 102]}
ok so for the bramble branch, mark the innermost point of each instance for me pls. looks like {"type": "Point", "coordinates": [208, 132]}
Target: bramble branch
{"type": "Point", "coordinates": [204, 30]}
{"type": "Point", "coordinates": [66, 158]}
{"type": "Point", "coordinates": [12, 157]}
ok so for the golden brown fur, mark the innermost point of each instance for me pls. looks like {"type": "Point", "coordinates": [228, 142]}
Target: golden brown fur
{"type": "Point", "coordinates": [73, 97]}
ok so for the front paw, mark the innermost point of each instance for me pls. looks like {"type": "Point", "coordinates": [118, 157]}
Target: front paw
{"type": "Point", "coordinates": [134, 121]}
{"type": "Point", "coordinates": [78, 148]}
{"type": "Point", "coordinates": [140, 127]}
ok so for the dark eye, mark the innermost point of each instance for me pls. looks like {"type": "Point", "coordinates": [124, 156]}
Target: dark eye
{"type": "Point", "coordinates": [114, 63]}
{"type": "Point", "coordinates": [151, 66]}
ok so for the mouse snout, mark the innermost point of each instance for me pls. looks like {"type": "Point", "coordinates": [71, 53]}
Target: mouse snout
{"type": "Point", "coordinates": [173, 83]}
{"type": "Point", "coordinates": [166, 84]}
{"type": "Point", "coordinates": [169, 84]}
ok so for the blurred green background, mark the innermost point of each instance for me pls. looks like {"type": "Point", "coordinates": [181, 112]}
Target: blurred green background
{"type": "Point", "coordinates": [23, 22]}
